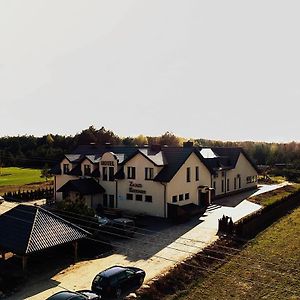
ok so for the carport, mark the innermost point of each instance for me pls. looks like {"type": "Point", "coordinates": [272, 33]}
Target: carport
{"type": "Point", "coordinates": [27, 229]}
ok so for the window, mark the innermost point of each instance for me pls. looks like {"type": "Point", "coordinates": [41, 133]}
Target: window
{"type": "Point", "coordinates": [239, 182]}
{"type": "Point", "coordinates": [111, 201]}
{"type": "Point", "coordinates": [148, 198]}
{"type": "Point", "coordinates": [149, 173]}
{"type": "Point", "coordinates": [223, 173]}
{"type": "Point", "coordinates": [222, 185]}
{"type": "Point", "coordinates": [174, 199]}
{"type": "Point", "coordinates": [139, 197]}
{"type": "Point", "coordinates": [66, 168]}
{"type": "Point", "coordinates": [181, 197]}
{"type": "Point", "coordinates": [87, 170]}
{"type": "Point", "coordinates": [197, 173]}
{"type": "Point", "coordinates": [129, 196]}
{"type": "Point", "coordinates": [214, 185]}
{"type": "Point", "coordinates": [104, 173]}
{"type": "Point", "coordinates": [235, 183]}
{"type": "Point", "coordinates": [105, 200]}
{"type": "Point", "coordinates": [187, 196]}
{"type": "Point", "coordinates": [188, 174]}
{"type": "Point", "coordinates": [131, 172]}
{"type": "Point", "coordinates": [228, 187]}
{"type": "Point", "coordinates": [111, 172]}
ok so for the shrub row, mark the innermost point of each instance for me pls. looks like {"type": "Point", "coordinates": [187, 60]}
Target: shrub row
{"type": "Point", "coordinates": [252, 224]}
{"type": "Point", "coordinates": [21, 196]}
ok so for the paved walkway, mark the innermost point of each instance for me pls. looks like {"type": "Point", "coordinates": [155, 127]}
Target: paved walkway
{"type": "Point", "coordinates": [155, 252]}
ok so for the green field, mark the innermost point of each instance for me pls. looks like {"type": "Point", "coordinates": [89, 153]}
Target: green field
{"type": "Point", "coordinates": [268, 268]}
{"type": "Point", "coordinates": [19, 176]}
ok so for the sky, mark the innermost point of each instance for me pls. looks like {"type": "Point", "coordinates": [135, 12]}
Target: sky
{"type": "Point", "coordinates": [225, 70]}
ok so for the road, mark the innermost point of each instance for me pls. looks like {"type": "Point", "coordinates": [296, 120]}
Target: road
{"type": "Point", "coordinates": [155, 251]}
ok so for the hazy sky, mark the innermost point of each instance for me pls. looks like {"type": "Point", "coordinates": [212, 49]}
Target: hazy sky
{"type": "Point", "coordinates": [226, 70]}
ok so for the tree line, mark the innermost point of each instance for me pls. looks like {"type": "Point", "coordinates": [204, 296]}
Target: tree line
{"type": "Point", "coordinates": [31, 151]}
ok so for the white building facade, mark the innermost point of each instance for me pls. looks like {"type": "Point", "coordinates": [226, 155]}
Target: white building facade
{"type": "Point", "coordinates": [153, 180]}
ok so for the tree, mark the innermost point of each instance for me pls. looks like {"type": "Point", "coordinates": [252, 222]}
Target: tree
{"type": "Point", "coordinates": [45, 172]}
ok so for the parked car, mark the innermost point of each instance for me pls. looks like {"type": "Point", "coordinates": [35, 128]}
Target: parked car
{"type": "Point", "coordinates": [123, 226]}
{"type": "Point", "coordinates": [119, 227]}
{"type": "Point", "coordinates": [117, 281]}
{"type": "Point", "coordinates": [79, 295]}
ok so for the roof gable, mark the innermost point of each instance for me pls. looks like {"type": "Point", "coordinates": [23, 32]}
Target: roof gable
{"type": "Point", "coordinates": [26, 229]}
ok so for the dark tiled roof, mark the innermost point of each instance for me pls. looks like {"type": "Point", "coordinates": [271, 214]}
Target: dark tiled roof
{"type": "Point", "coordinates": [175, 157]}
{"type": "Point", "coordinates": [171, 158]}
{"type": "Point", "coordinates": [56, 170]}
{"type": "Point", "coordinates": [96, 173]}
{"type": "Point", "coordinates": [76, 171]}
{"type": "Point", "coordinates": [26, 229]}
{"type": "Point", "coordinates": [85, 186]}
{"type": "Point", "coordinates": [120, 174]}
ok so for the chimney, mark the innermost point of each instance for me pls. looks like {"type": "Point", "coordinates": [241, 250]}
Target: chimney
{"type": "Point", "coordinates": [188, 144]}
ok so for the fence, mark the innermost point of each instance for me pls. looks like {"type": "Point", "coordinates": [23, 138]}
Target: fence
{"type": "Point", "coordinates": [251, 225]}
{"type": "Point", "coordinates": [23, 196]}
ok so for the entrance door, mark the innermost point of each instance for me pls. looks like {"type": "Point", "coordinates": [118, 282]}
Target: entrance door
{"type": "Point", "coordinates": [111, 201]}
{"type": "Point", "coordinates": [203, 199]}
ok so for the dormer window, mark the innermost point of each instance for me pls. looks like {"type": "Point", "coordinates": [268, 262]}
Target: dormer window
{"type": "Point", "coordinates": [66, 168]}
{"type": "Point", "coordinates": [87, 170]}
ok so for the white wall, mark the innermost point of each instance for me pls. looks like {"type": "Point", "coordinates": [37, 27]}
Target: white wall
{"type": "Point", "coordinates": [179, 184]}
{"type": "Point", "coordinates": [155, 189]}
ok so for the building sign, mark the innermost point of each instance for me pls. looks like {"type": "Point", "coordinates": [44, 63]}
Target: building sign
{"type": "Point", "coordinates": [107, 163]}
{"type": "Point", "coordinates": [135, 188]}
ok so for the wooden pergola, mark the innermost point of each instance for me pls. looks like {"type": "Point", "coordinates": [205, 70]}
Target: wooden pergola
{"type": "Point", "coordinates": [27, 229]}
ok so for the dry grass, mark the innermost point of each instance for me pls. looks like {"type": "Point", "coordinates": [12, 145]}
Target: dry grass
{"type": "Point", "coordinates": [275, 195]}
{"type": "Point", "coordinates": [268, 268]}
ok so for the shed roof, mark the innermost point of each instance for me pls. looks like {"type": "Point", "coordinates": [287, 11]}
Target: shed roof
{"type": "Point", "coordinates": [27, 229]}
{"type": "Point", "coordinates": [85, 186]}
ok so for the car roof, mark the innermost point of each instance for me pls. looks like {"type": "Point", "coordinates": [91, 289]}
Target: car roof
{"type": "Point", "coordinates": [65, 295]}
{"type": "Point", "coordinates": [112, 271]}
{"type": "Point", "coordinates": [123, 220]}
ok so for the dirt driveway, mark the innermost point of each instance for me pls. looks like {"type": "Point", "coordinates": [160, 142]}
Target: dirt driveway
{"type": "Point", "coordinates": [155, 250]}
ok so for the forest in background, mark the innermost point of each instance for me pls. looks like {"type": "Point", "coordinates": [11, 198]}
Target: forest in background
{"type": "Point", "coordinates": [36, 152]}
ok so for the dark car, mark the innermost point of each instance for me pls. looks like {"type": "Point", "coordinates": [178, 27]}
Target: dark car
{"type": "Point", "coordinates": [80, 295]}
{"type": "Point", "coordinates": [117, 281]}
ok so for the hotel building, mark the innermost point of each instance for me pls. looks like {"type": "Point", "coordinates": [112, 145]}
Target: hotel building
{"type": "Point", "coordinates": [153, 180]}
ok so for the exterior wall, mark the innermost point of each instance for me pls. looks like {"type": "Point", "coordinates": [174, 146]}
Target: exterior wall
{"type": "Point", "coordinates": [179, 184]}
{"type": "Point", "coordinates": [140, 186]}
{"type": "Point", "coordinates": [243, 169]}
{"type": "Point", "coordinates": [91, 201]}
{"type": "Point", "coordinates": [60, 181]}
{"type": "Point", "coordinates": [87, 162]}
{"type": "Point", "coordinates": [108, 159]}
{"type": "Point", "coordinates": [218, 180]}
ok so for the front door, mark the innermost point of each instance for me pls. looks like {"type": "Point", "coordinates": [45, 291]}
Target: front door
{"type": "Point", "coordinates": [203, 199]}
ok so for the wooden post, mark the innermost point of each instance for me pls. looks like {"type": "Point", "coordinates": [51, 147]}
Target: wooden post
{"type": "Point", "coordinates": [24, 262]}
{"type": "Point", "coordinates": [75, 244]}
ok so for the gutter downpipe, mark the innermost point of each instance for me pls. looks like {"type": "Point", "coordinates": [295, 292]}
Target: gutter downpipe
{"type": "Point", "coordinates": [165, 199]}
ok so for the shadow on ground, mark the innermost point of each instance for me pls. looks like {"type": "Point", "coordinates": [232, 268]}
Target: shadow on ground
{"type": "Point", "coordinates": [42, 266]}
{"type": "Point", "coordinates": [152, 235]}
{"type": "Point", "coordinates": [234, 200]}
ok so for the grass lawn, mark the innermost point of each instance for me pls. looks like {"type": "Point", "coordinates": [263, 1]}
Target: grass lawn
{"type": "Point", "coordinates": [275, 195]}
{"type": "Point", "coordinates": [19, 176]}
{"type": "Point", "coordinates": [267, 268]}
